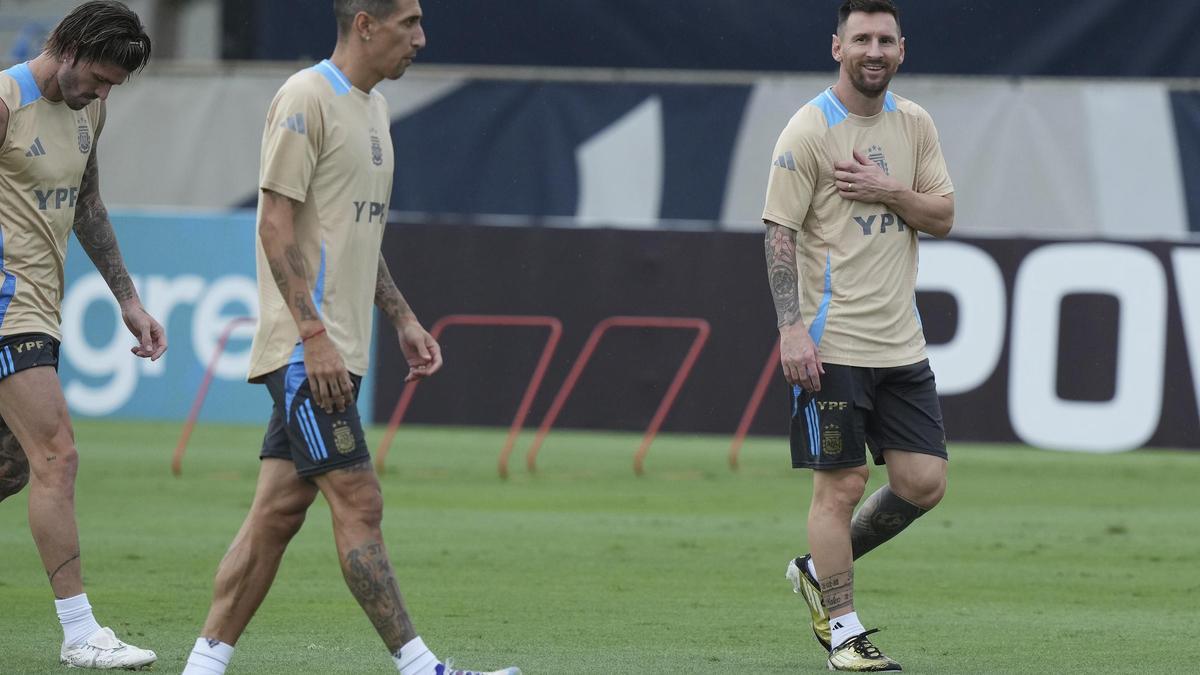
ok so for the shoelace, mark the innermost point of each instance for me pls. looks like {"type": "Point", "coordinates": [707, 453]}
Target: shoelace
{"type": "Point", "coordinates": [863, 646]}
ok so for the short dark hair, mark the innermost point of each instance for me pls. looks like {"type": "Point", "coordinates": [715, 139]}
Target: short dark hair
{"type": "Point", "coordinates": [346, 10]}
{"type": "Point", "coordinates": [102, 31]}
{"type": "Point", "coordinates": [868, 6]}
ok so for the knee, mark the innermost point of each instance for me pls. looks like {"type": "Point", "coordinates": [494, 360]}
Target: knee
{"type": "Point", "coordinates": [840, 492]}
{"type": "Point", "coordinates": [57, 467]}
{"type": "Point", "coordinates": [287, 524]}
{"type": "Point", "coordinates": [363, 509]}
{"type": "Point", "coordinates": [280, 522]}
{"type": "Point", "coordinates": [925, 490]}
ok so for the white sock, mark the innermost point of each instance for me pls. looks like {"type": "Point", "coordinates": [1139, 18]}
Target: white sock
{"type": "Point", "coordinates": [208, 657]}
{"type": "Point", "coordinates": [812, 569]}
{"type": "Point", "coordinates": [414, 658]}
{"type": "Point", "coordinates": [75, 615]}
{"type": "Point", "coordinates": [845, 627]}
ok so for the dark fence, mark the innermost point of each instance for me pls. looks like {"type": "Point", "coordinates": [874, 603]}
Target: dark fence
{"type": "Point", "coordinates": [1069, 344]}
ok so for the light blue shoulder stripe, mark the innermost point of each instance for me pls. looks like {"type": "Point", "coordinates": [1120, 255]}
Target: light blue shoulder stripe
{"type": "Point", "coordinates": [835, 112]}
{"type": "Point", "coordinates": [338, 79]}
{"type": "Point", "coordinates": [24, 77]}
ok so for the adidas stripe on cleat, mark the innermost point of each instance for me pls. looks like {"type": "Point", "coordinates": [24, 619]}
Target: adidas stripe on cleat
{"type": "Point", "coordinates": [807, 586]}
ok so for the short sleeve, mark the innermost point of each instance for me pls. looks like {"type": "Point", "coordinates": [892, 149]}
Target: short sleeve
{"type": "Point", "coordinates": [291, 142]}
{"type": "Point", "coordinates": [932, 177]}
{"type": "Point", "coordinates": [792, 179]}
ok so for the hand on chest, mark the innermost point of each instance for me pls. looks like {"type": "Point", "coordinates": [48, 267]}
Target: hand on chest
{"type": "Point", "coordinates": [863, 165]}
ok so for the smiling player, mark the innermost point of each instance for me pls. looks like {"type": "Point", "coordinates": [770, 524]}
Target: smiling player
{"type": "Point", "coordinates": [858, 173]}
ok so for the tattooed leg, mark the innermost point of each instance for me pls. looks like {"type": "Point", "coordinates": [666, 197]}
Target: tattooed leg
{"type": "Point", "coordinates": [357, 507]}
{"type": "Point", "coordinates": [372, 580]}
{"type": "Point", "coordinates": [837, 592]}
{"type": "Point", "coordinates": [883, 516]}
{"type": "Point", "coordinates": [14, 467]}
{"type": "Point", "coordinates": [835, 494]}
{"type": "Point", "coordinates": [36, 411]}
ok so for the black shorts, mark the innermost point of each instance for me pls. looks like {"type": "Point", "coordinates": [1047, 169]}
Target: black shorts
{"type": "Point", "coordinates": [859, 408]}
{"type": "Point", "coordinates": [25, 351]}
{"type": "Point", "coordinates": [301, 432]}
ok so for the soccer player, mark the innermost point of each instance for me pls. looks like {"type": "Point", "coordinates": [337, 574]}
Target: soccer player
{"type": "Point", "coordinates": [325, 180]}
{"type": "Point", "coordinates": [51, 116]}
{"type": "Point", "coordinates": [858, 173]}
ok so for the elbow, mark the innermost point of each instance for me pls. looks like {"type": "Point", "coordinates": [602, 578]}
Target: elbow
{"type": "Point", "coordinates": [942, 229]}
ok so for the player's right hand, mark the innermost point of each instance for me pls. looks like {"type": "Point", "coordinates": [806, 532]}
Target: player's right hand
{"type": "Point", "coordinates": [799, 358]}
{"type": "Point", "coordinates": [330, 382]}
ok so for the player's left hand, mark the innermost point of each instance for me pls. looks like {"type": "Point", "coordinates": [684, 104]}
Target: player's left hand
{"type": "Point", "coordinates": [422, 352]}
{"type": "Point", "coordinates": [862, 180]}
{"type": "Point", "coordinates": [152, 339]}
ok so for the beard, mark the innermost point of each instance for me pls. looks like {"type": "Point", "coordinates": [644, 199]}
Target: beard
{"type": "Point", "coordinates": [68, 84]}
{"type": "Point", "coordinates": [869, 89]}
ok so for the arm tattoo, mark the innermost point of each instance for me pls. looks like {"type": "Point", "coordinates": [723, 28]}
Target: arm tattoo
{"type": "Point", "coordinates": [304, 306]}
{"type": "Point", "coordinates": [781, 271]}
{"type": "Point", "coordinates": [14, 466]}
{"type": "Point", "coordinates": [289, 267]}
{"type": "Point", "coordinates": [295, 259]}
{"type": "Point", "coordinates": [371, 579]}
{"type": "Point", "coordinates": [387, 297]}
{"type": "Point", "coordinates": [280, 276]}
{"type": "Point", "coordinates": [96, 236]}
{"type": "Point", "coordinates": [837, 590]}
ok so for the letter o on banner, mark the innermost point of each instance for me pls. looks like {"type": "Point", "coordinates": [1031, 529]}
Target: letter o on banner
{"type": "Point", "coordinates": [1136, 279]}
{"type": "Point", "coordinates": [973, 278]}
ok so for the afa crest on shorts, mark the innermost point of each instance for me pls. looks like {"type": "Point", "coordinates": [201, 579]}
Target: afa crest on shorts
{"type": "Point", "coordinates": [343, 438]}
{"type": "Point", "coordinates": [376, 149]}
{"type": "Point", "coordinates": [831, 440]}
{"type": "Point", "coordinates": [85, 139]}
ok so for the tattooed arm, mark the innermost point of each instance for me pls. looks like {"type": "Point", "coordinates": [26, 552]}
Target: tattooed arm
{"type": "Point", "coordinates": [95, 234]}
{"type": "Point", "coordinates": [797, 351]}
{"type": "Point", "coordinates": [327, 375]}
{"type": "Point", "coordinates": [422, 352]}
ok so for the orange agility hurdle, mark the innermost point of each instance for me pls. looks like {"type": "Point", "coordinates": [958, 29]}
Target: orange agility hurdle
{"type": "Point", "coordinates": [531, 389]}
{"type": "Point", "coordinates": [702, 331]}
{"type": "Point", "coordinates": [202, 392]}
{"type": "Point", "coordinates": [760, 389]}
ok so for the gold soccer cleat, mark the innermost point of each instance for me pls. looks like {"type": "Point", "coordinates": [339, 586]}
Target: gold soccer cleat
{"type": "Point", "coordinates": [804, 584]}
{"type": "Point", "coordinates": [858, 655]}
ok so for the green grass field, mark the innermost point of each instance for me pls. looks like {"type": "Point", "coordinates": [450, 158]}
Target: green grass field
{"type": "Point", "coordinates": [1036, 562]}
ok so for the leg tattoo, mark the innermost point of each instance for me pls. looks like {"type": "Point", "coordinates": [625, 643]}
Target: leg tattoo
{"type": "Point", "coordinates": [880, 518]}
{"type": "Point", "coordinates": [373, 582]}
{"type": "Point", "coordinates": [14, 466]}
{"type": "Point", "coordinates": [58, 569]}
{"type": "Point", "coordinates": [837, 591]}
